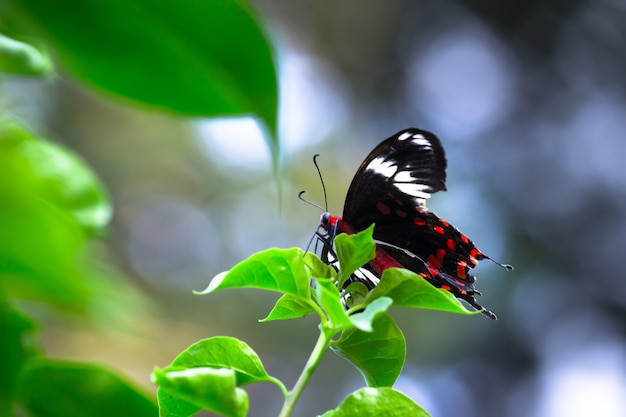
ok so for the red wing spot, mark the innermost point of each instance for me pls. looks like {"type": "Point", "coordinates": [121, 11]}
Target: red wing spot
{"type": "Point", "coordinates": [383, 208]}
{"type": "Point", "coordinates": [464, 238]}
{"type": "Point", "coordinates": [439, 229]}
{"type": "Point", "coordinates": [433, 262]}
{"type": "Point", "coordinates": [474, 255]}
{"type": "Point", "coordinates": [440, 254]}
{"type": "Point", "coordinates": [399, 202]}
{"type": "Point", "coordinates": [401, 213]}
{"type": "Point", "coordinates": [460, 269]}
{"type": "Point", "coordinates": [419, 222]}
{"type": "Point", "coordinates": [451, 244]}
{"type": "Point", "coordinates": [445, 223]}
{"type": "Point", "coordinates": [446, 287]}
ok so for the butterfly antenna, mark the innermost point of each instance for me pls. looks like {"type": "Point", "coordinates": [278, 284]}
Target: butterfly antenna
{"type": "Point", "coordinates": [505, 266]}
{"type": "Point", "coordinates": [319, 173]}
{"type": "Point", "coordinates": [309, 202]}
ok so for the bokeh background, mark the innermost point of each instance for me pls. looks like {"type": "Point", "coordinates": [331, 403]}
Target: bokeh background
{"type": "Point", "coordinates": [529, 100]}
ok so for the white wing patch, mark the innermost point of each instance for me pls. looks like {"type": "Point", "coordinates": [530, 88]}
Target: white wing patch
{"type": "Point", "coordinates": [416, 138]}
{"type": "Point", "coordinates": [382, 167]}
{"type": "Point", "coordinates": [405, 136]}
{"type": "Point", "coordinates": [402, 180]}
{"type": "Point", "coordinates": [415, 190]}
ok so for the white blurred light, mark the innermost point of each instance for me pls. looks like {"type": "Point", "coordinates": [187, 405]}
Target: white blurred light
{"type": "Point", "coordinates": [463, 82]}
{"type": "Point", "coordinates": [236, 141]}
{"type": "Point", "coordinates": [312, 101]}
{"type": "Point", "coordinates": [311, 105]}
{"type": "Point", "coordinates": [591, 382]}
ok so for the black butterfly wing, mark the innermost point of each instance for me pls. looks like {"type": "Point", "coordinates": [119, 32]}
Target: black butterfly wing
{"type": "Point", "coordinates": [411, 163]}
{"type": "Point", "coordinates": [390, 189]}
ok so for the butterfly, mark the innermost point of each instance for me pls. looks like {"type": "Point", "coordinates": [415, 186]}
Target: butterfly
{"type": "Point", "coordinates": [390, 189]}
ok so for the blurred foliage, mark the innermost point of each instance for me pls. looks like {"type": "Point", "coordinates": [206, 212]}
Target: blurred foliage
{"type": "Point", "coordinates": [529, 101]}
{"type": "Point", "coordinates": [198, 58]}
{"type": "Point", "coordinates": [52, 206]}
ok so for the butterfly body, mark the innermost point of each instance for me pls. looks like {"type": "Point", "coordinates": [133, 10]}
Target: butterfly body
{"type": "Point", "coordinates": [390, 189]}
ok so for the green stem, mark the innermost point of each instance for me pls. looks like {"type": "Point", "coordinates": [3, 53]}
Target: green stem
{"type": "Point", "coordinates": [314, 360]}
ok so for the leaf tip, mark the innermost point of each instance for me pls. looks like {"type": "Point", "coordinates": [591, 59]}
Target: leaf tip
{"type": "Point", "coordinates": [213, 285]}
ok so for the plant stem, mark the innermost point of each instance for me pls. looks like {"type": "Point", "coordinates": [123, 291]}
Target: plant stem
{"type": "Point", "coordinates": [314, 360]}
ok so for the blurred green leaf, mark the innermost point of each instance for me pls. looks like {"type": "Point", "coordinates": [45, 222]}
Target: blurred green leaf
{"type": "Point", "coordinates": [379, 355]}
{"type": "Point", "coordinates": [39, 249]}
{"type": "Point", "coordinates": [377, 402]}
{"type": "Point", "coordinates": [407, 289]}
{"type": "Point", "coordinates": [279, 270]}
{"type": "Point", "coordinates": [216, 352]}
{"type": "Point", "coordinates": [210, 388]}
{"type": "Point", "coordinates": [21, 58]}
{"type": "Point", "coordinates": [200, 58]}
{"type": "Point", "coordinates": [56, 175]}
{"type": "Point", "coordinates": [66, 389]}
{"type": "Point", "coordinates": [289, 307]}
{"type": "Point", "coordinates": [15, 348]}
{"type": "Point", "coordinates": [354, 251]}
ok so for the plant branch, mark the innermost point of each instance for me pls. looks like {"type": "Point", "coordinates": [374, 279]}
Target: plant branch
{"type": "Point", "coordinates": [312, 363]}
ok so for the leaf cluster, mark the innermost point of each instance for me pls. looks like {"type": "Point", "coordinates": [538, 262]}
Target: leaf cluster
{"type": "Point", "coordinates": [364, 333]}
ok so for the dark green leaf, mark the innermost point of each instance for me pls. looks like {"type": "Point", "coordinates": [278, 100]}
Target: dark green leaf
{"type": "Point", "coordinates": [65, 389]}
{"type": "Point", "coordinates": [378, 355]}
{"type": "Point", "coordinates": [377, 402]}
{"type": "Point", "coordinates": [354, 251]}
{"type": "Point", "coordinates": [289, 307]}
{"type": "Point", "coordinates": [21, 58]}
{"type": "Point", "coordinates": [15, 349]}
{"type": "Point", "coordinates": [408, 289]}
{"type": "Point", "coordinates": [209, 388]}
{"type": "Point", "coordinates": [203, 58]}
{"type": "Point", "coordinates": [279, 270]}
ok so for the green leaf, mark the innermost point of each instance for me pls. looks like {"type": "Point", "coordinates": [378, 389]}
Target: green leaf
{"type": "Point", "coordinates": [66, 389]}
{"type": "Point", "coordinates": [379, 355]}
{"type": "Point", "coordinates": [356, 294]}
{"type": "Point", "coordinates": [363, 321]}
{"type": "Point", "coordinates": [279, 270]}
{"type": "Point", "coordinates": [377, 402]}
{"type": "Point", "coordinates": [54, 174]}
{"type": "Point", "coordinates": [15, 349]}
{"type": "Point", "coordinates": [216, 352]}
{"type": "Point", "coordinates": [408, 289]}
{"type": "Point", "coordinates": [289, 307]}
{"type": "Point", "coordinates": [225, 352]}
{"type": "Point", "coordinates": [317, 268]}
{"type": "Point", "coordinates": [204, 387]}
{"type": "Point", "coordinates": [354, 251]}
{"type": "Point", "coordinates": [21, 58]}
{"type": "Point", "coordinates": [201, 58]}
{"type": "Point", "coordinates": [328, 296]}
